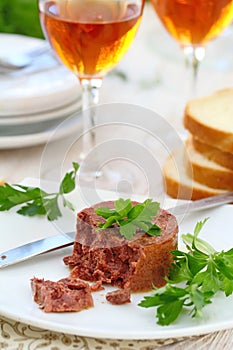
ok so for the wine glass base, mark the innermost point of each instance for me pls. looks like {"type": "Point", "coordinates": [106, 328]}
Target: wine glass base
{"type": "Point", "coordinates": [119, 176]}
{"type": "Point", "coordinates": [96, 186]}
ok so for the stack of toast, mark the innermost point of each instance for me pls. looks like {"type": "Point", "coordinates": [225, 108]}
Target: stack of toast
{"type": "Point", "coordinates": [205, 166]}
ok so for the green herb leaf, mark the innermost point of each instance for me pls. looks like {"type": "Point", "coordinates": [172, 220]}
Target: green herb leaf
{"type": "Point", "coordinates": [224, 263]}
{"type": "Point", "coordinates": [227, 286]}
{"type": "Point", "coordinates": [170, 301]}
{"type": "Point", "coordinates": [169, 311]}
{"type": "Point", "coordinates": [202, 271]}
{"type": "Point", "coordinates": [131, 218]}
{"type": "Point", "coordinates": [68, 182]}
{"type": "Point", "coordinates": [123, 206]}
{"type": "Point", "coordinates": [32, 209]}
{"type": "Point", "coordinates": [109, 222]}
{"type": "Point", "coordinates": [52, 208]}
{"type": "Point", "coordinates": [199, 299]}
{"type": "Point", "coordinates": [105, 212]}
{"type": "Point", "coordinates": [180, 271]}
{"type": "Point", "coordinates": [68, 204]}
{"type": "Point", "coordinates": [135, 212]}
{"type": "Point", "coordinates": [35, 201]}
{"type": "Point", "coordinates": [154, 230]}
{"type": "Point", "coordinates": [128, 231]}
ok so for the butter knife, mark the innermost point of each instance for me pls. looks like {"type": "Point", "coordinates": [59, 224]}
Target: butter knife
{"type": "Point", "coordinates": [63, 240]}
{"type": "Point", "coordinates": [35, 248]}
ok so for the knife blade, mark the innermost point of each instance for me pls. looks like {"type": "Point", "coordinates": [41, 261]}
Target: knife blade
{"type": "Point", "coordinates": [201, 204]}
{"type": "Point", "coordinates": [63, 240]}
{"type": "Point", "coordinates": [35, 248]}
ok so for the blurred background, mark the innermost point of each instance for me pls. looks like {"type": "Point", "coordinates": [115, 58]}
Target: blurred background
{"type": "Point", "coordinates": [21, 17]}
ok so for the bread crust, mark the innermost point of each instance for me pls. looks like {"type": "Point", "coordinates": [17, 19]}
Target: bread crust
{"type": "Point", "coordinates": [213, 153]}
{"type": "Point", "coordinates": [212, 178]}
{"type": "Point", "coordinates": [207, 171]}
{"type": "Point", "coordinates": [214, 137]}
{"type": "Point", "coordinates": [179, 190]}
{"type": "Point", "coordinates": [177, 186]}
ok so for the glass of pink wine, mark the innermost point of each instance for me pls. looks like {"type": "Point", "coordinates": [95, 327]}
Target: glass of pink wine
{"type": "Point", "coordinates": [193, 23]}
{"type": "Point", "coordinates": [90, 37]}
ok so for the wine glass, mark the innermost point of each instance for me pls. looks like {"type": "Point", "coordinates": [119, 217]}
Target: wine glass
{"type": "Point", "coordinates": [193, 23]}
{"type": "Point", "coordinates": [90, 37]}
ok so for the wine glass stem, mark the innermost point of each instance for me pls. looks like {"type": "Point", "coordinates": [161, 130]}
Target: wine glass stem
{"type": "Point", "coordinates": [194, 55]}
{"type": "Point", "coordinates": [90, 99]}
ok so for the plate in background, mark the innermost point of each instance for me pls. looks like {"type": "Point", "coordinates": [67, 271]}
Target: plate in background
{"type": "Point", "coordinates": [41, 133]}
{"type": "Point", "coordinates": [11, 122]}
{"type": "Point", "coordinates": [43, 86]}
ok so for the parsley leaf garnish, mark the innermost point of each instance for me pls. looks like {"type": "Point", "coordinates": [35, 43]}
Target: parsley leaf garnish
{"type": "Point", "coordinates": [130, 218]}
{"type": "Point", "coordinates": [35, 201]}
{"type": "Point", "coordinates": [194, 279]}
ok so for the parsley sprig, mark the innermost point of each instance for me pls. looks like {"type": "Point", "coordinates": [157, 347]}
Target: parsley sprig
{"type": "Point", "coordinates": [35, 201]}
{"type": "Point", "coordinates": [197, 275]}
{"type": "Point", "coordinates": [130, 218]}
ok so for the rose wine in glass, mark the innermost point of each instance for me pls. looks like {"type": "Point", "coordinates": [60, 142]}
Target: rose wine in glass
{"type": "Point", "coordinates": [193, 23]}
{"type": "Point", "coordinates": [90, 37]}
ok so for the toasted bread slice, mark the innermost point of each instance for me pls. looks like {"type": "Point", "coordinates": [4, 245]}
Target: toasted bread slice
{"type": "Point", "coordinates": [210, 119]}
{"type": "Point", "coordinates": [207, 171]}
{"type": "Point", "coordinates": [223, 158]}
{"type": "Point", "coordinates": [178, 184]}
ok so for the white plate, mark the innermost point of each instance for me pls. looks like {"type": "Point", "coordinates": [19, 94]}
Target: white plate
{"type": "Point", "coordinates": [37, 134]}
{"type": "Point", "coordinates": [44, 85]}
{"type": "Point", "coordinates": [12, 121]}
{"type": "Point", "coordinates": [104, 320]}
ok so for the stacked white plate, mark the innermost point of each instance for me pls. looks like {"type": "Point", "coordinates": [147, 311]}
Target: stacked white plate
{"type": "Point", "coordinates": [35, 100]}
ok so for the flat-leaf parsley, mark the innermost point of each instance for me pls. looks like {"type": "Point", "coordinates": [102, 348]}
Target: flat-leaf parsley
{"type": "Point", "coordinates": [131, 217]}
{"type": "Point", "coordinates": [194, 279]}
{"type": "Point", "coordinates": [35, 201]}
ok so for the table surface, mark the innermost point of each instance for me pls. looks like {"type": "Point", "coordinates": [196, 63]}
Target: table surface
{"type": "Point", "coordinates": [157, 80]}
